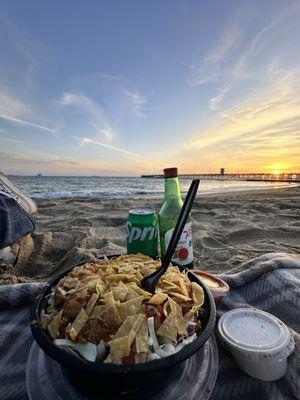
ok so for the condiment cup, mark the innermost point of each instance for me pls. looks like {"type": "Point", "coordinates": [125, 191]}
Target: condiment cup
{"type": "Point", "coordinates": [259, 342]}
{"type": "Point", "coordinates": [217, 286]}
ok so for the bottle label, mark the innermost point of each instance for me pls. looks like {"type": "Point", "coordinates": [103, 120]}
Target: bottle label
{"type": "Point", "coordinates": [183, 254]}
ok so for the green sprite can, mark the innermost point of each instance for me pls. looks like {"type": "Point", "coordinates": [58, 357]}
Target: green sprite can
{"type": "Point", "coordinates": [142, 232]}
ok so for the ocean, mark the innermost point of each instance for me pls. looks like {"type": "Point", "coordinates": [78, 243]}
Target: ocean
{"type": "Point", "coordinates": [54, 187]}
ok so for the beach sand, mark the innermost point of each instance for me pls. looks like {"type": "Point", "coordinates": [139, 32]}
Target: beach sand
{"type": "Point", "coordinates": [228, 229]}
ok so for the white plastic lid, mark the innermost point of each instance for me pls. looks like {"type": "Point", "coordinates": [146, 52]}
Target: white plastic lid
{"type": "Point", "coordinates": [255, 334]}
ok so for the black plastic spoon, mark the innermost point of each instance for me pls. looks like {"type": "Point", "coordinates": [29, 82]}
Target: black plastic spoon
{"type": "Point", "coordinates": [149, 282]}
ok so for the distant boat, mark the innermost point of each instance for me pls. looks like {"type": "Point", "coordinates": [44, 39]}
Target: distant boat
{"type": "Point", "coordinates": [39, 175]}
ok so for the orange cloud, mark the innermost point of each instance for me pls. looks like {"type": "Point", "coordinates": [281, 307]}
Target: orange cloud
{"type": "Point", "coordinates": [258, 131]}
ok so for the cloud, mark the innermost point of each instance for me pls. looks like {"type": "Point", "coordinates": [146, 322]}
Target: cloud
{"type": "Point", "coordinates": [212, 67]}
{"type": "Point", "coordinates": [99, 120]}
{"type": "Point", "coordinates": [10, 105]}
{"type": "Point", "coordinates": [24, 45]}
{"type": "Point", "coordinates": [11, 140]}
{"type": "Point", "coordinates": [258, 130]}
{"type": "Point", "coordinates": [23, 122]}
{"type": "Point", "coordinates": [228, 41]}
{"type": "Point", "coordinates": [139, 102]}
{"type": "Point", "coordinates": [16, 111]}
{"type": "Point", "coordinates": [234, 53]}
{"type": "Point", "coordinates": [33, 162]}
{"type": "Point", "coordinates": [215, 101]}
{"type": "Point", "coordinates": [91, 141]}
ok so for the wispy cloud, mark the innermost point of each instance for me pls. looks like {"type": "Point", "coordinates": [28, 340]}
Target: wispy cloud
{"type": "Point", "coordinates": [9, 104]}
{"type": "Point", "coordinates": [259, 130]}
{"type": "Point", "coordinates": [212, 66]}
{"type": "Point", "coordinates": [32, 162]}
{"type": "Point", "coordinates": [23, 122]}
{"type": "Point", "coordinates": [216, 100]}
{"type": "Point", "coordinates": [24, 45]}
{"type": "Point", "coordinates": [16, 111]}
{"type": "Point", "coordinates": [234, 53]}
{"type": "Point", "coordinates": [97, 143]}
{"type": "Point", "coordinates": [139, 102]}
{"type": "Point", "coordinates": [99, 120]}
{"type": "Point", "coordinates": [11, 140]}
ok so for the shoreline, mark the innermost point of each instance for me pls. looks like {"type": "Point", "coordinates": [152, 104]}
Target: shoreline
{"type": "Point", "coordinates": [271, 190]}
{"type": "Point", "coordinates": [229, 228]}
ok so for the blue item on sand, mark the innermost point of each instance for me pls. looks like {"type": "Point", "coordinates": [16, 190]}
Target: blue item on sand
{"type": "Point", "coordinates": [14, 221]}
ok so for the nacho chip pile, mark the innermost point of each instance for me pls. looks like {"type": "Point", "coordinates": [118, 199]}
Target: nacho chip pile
{"type": "Point", "coordinates": [103, 302]}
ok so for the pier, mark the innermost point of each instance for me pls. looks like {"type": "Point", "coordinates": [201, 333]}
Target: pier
{"type": "Point", "coordinates": [260, 177]}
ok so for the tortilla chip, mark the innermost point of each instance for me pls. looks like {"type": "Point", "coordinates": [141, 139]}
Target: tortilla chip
{"type": "Point", "coordinates": [114, 279]}
{"type": "Point", "coordinates": [179, 298]}
{"type": "Point", "coordinates": [192, 312]}
{"type": "Point", "coordinates": [147, 270]}
{"type": "Point", "coordinates": [197, 293]}
{"type": "Point", "coordinates": [141, 292]}
{"type": "Point", "coordinates": [179, 320]}
{"type": "Point", "coordinates": [130, 307]}
{"type": "Point", "coordinates": [141, 339]}
{"type": "Point", "coordinates": [184, 287]}
{"type": "Point", "coordinates": [136, 326]}
{"type": "Point", "coordinates": [102, 327]}
{"type": "Point", "coordinates": [78, 324]}
{"type": "Point", "coordinates": [119, 348]}
{"type": "Point", "coordinates": [141, 358]}
{"type": "Point", "coordinates": [166, 285]}
{"type": "Point", "coordinates": [44, 322]}
{"type": "Point", "coordinates": [53, 326]}
{"type": "Point", "coordinates": [131, 294]}
{"type": "Point", "coordinates": [91, 303]}
{"type": "Point", "coordinates": [130, 284]}
{"type": "Point", "coordinates": [139, 275]}
{"type": "Point", "coordinates": [166, 308]}
{"type": "Point", "coordinates": [125, 328]}
{"type": "Point", "coordinates": [92, 282]}
{"type": "Point", "coordinates": [168, 328]}
{"type": "Point", "coordinates": [120, 292]}
{"type": "Point", "coordinates": [158, 298]}
{"type": "Point", "coordinates": [100, 287]}
{"type": "Point", "coordinates": [97, 310]}
{"type": "Point", "coordinates": [110, 301]}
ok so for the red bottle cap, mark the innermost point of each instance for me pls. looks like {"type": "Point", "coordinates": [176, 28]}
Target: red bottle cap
{"type": "Point", "coordinates": [170, 172]}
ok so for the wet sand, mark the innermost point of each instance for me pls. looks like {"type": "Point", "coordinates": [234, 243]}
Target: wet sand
{"type": "Point", "coordinates": [228, 229]}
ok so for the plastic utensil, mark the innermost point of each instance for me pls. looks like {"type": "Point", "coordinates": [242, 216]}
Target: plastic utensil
{"type": "Point", "coordinates": [150, 281]}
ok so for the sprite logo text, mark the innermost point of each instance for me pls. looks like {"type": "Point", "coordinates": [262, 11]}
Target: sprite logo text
{"type": "Point", "coordinates": [135, 233]}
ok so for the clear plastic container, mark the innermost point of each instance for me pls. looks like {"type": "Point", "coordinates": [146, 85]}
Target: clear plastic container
{"type": "Point", "coordinates": [259, 342]}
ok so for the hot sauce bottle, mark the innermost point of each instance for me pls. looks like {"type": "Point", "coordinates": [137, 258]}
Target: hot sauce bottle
{"type": "Point", "coordinates": [167, 217]}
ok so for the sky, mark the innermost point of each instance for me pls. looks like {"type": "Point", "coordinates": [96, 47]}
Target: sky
{"type": "Point", "coordinates": [130, 87]}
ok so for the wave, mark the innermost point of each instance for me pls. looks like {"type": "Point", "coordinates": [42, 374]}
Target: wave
{"type": "Point", "coordinates": [90, 187]}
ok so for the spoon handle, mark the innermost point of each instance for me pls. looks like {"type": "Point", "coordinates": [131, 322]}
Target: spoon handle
{"type": "Point", "coordinates": [182, 219]}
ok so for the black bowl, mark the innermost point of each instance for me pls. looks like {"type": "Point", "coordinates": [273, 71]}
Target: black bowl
{"type": "Point", "coordinates": [90, 377]}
